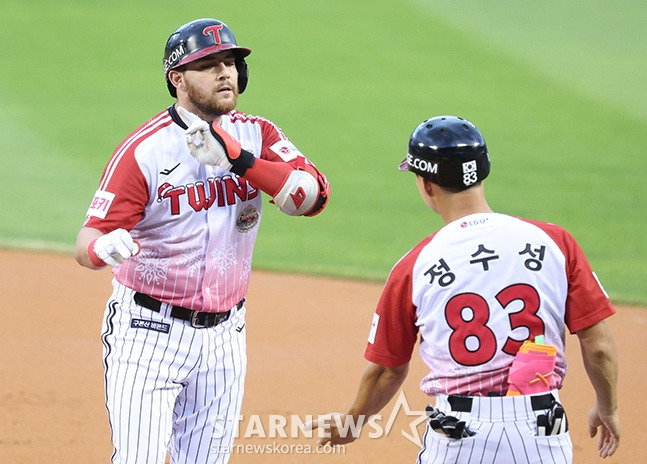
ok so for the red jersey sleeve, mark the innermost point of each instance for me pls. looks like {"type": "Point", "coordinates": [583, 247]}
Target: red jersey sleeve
{"type": "Point", "coordinates": [277, 148]}
{"type": "Point", "coordinates": [586, 302]}
{"type": "Point", "coordinates": [394, 332]}
{"type": "Point", "coordinates": [123, 191]}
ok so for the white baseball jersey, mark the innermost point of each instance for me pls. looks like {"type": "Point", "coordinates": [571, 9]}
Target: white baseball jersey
{"type": "Point", "coordinates": [171, 385]}
{"type": "Point", "coordinates": [196, 223]}
{"type": "Point", "coordinates": [474, 291]}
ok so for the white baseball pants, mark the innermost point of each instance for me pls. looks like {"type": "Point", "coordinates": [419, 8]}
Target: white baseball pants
{"type": "Point", "coordinates": [171, 387]}
{"type": "Point", "coordinates": [505, 431]}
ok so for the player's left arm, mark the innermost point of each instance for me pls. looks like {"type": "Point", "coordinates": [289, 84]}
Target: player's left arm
{"type": "Point", "coordinates": [601, 364]}
{"type": "Point", "coordinates": [377, 387]}
{"type": "Point", "coordinates": [297, 188]}
{"type": "Point", "coordinates": [295, 185]}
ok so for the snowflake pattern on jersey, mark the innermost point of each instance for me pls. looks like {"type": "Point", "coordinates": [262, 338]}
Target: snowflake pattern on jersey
{"type": "Point", "coordinates": [246, 271]}
{"type": "Point", "coordinates": [191, 259]}
{"type": "Point", "coordinates": [152, 268]}
{"type": "Point", "coordinates": [224, 257]}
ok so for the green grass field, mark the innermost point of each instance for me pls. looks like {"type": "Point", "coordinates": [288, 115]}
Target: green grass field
{"type": "Point", "coordinates": [557, 88]}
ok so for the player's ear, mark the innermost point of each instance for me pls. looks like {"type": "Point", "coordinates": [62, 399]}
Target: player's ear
{"type": "Point", "coordinates": [428, 186]}
{"type": "Point", "coordinates": [176, 78]}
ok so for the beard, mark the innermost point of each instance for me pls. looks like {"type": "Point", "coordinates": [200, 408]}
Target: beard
{"type": "Point", "coordinates": [212, 104]}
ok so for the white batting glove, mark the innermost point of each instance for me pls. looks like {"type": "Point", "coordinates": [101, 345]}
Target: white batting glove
{"type": "Point", "coordinates": [202, 144]}
{"type": "Point", "coordinates": [115, 247]}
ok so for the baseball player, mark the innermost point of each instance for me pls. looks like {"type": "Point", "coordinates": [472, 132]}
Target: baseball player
{"type": "Point", "coordinates": [176, 216]}
{"type": "Point", "coordinates": [474, 292]}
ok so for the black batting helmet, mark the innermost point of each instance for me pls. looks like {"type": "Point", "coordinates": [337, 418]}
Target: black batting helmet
{"type": "Point", "coordinates": [449, 151]}
{"type": "Point", "coordinates": [199, 38]}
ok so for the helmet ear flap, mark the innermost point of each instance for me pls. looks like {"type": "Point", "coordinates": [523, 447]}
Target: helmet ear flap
{"type": "Point", "coordinates": [243, 74]}
{"type": "Point", "coordinates": [171, 89]}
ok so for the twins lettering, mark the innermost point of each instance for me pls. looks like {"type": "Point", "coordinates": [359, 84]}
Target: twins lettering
{"type": "Point", "coordinates": [225, 191]}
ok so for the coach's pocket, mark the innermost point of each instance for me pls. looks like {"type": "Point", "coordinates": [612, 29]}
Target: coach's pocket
{"type": "Point", "coordinates": [553, 422]}
{"type": "Point", "coordinates": [446, 425]}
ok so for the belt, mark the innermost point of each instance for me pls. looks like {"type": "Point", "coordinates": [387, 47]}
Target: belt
{"type": "Point", "coordinates": [464, 403]}
{"type": "Point", "coordinates": [198, 319]}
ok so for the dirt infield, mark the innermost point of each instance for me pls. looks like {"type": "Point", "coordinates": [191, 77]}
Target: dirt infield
{"type": "Point", "coordinates": [306, 337]}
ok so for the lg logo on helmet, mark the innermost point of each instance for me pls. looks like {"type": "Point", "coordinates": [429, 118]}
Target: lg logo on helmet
{"type": "Point", "coordinates": [213, 31]}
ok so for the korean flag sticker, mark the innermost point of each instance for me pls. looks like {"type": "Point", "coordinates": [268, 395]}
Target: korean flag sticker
{"type": "Point", "coordinates": [469, 166]}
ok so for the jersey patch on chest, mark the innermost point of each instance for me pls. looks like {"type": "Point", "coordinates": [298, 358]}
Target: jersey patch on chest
{"type": "Point", "coordinates": [247, 219]}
